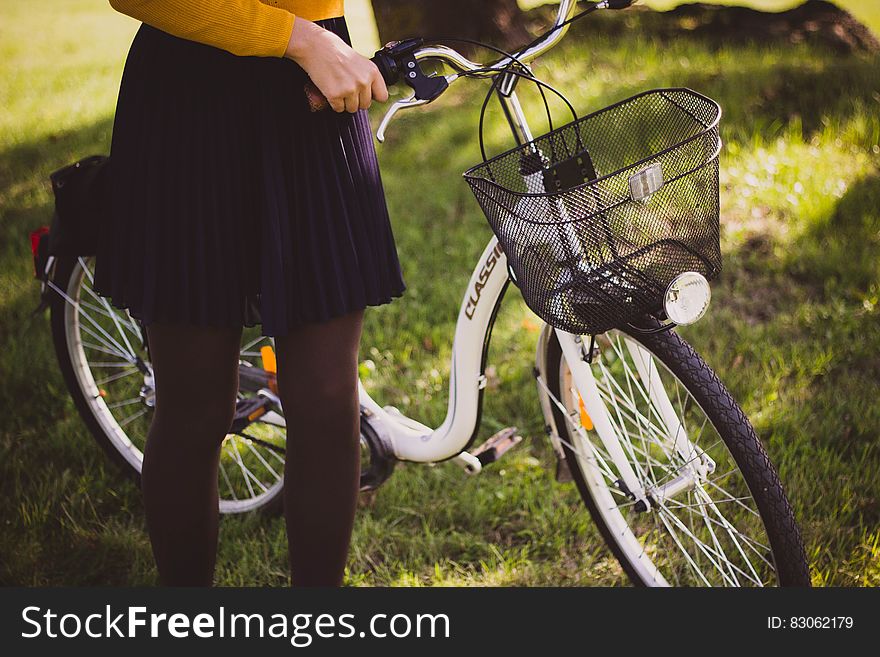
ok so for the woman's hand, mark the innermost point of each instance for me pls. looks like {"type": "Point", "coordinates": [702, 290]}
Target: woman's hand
{"type": "Point", "coordinates": [348, 80]}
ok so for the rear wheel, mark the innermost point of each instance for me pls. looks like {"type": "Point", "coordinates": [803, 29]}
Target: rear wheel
{"type": "Point", "coordinates": [105, 362]}
{"type": "Point", "coordinates": [717, 513]}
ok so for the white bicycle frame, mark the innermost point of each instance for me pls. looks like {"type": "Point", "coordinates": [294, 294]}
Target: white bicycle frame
{"type": "Point", "coordinates": [414, 441]}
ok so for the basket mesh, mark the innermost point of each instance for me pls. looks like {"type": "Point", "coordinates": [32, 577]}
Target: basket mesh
{"type": "Point", "coordinates": [585, 253]}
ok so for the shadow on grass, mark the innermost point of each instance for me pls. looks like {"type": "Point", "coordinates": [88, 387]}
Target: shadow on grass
{"type": "Point", "coordinates": [26, 196]}
{"type": "Point", "coordinates": [761, 98]}
{"type": "Point", "coordinates": [25, 190]}
{"type": "Point", "coordinates": [841, 252]}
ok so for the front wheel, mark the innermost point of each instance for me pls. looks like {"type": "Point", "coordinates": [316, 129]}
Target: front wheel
{"type": "Point", "coordinates": [714, 512]}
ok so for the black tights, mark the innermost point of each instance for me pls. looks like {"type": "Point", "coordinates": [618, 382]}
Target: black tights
{"type": "Point", "coordinates": [196, 374]}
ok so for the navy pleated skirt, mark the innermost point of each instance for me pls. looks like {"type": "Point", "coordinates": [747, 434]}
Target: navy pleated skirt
{"type": "Point", "coordinates": [231, 203]}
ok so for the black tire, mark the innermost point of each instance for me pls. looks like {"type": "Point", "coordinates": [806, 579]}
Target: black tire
{"type": "Point", "coordinates": [738, 435]}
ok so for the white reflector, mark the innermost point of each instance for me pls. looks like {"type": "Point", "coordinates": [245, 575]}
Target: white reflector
{"type": "Point", "coordinates": [687, 298]}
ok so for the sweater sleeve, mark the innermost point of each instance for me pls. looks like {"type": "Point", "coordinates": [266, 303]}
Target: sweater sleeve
{"type": "Point", "coordinates": [242, 27]}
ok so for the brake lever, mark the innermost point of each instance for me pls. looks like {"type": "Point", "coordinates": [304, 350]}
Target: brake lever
{"type": "Point", "coordinates": [440, 82]}
{"type": "Point", "coordinates": [396, 106]}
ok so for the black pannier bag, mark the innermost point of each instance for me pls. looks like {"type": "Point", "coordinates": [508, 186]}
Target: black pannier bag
{"type": "Point", "coordinates": [81, 195]}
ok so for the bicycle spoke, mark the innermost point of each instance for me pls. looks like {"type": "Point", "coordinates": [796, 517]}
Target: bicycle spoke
{"type": "Point", "coordinates": [131, 418]}
{"type": "Point", "coordinates": [228, 482]}
{"type": "Point", "coordinates": [689, 528]}
{"type": "Point", "coordinates": [110, 313]}
{"type": "Point", "coordinates": [248, 475]}
{"type": "Point", "coordinates": [710, 553]}
{"type": "Point", "coordinates": [679, 505]}
{"type": "Point", "coordinates": [262, 460]}
{"type": "Point", "coordinates": [626, 444]}
{"type": "Point", "coordinates": [734, 499]}
{"type": "Point", "coordinates": [715, 541]}
{"type": "Point", "coordinates": [245, 350]}
{"type": "Point", "coordinates": [731, 531]}
{"type": "Point", "coordinates": [280, 459]}
{"type": "Point", "coordinates": [117, 376]}
{"type": "Point", "coordinates": [684, 552]}
{"type": "Point", "coordinates": [102, 349]}
{"type": "Point", "coordinates": [125, 402]}
{"type": "Point", "coordinates": [752, 544]}
{"type": "Point", "coordinates": [104, 345]}
{"type": "Point", "coordinates": [113, 315]}
{"type": "Point", "coordinates": [75, 305]}
{"type": "Point", "coordinates": [114, 348]}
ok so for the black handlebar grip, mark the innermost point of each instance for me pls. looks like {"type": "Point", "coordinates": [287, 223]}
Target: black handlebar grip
{"type": "Point", "coordinates": [394, 55]}
{"type": "Point", "coordinates": [387, 67]}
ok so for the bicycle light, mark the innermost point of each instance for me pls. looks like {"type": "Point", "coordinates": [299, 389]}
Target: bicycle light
{"type": "Point", "coordinates": [687, 298]}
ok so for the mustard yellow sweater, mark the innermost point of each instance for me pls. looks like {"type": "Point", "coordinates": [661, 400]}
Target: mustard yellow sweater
{"type": "Point", "coordinates": [243, 27]}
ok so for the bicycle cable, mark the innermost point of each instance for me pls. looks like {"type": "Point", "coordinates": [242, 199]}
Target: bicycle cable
{"type": "Point", "coordinates": [475, 73]}
{"type": "Point", "coordinates": [525, 72]}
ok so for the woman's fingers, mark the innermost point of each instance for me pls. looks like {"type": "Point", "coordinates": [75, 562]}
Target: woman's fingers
{"type": "Point", "coordinates": [337, 104]}
{"type": "Point", "coordinates": [366, 97]}
{"type": "Point", "coordinates": [359, 98]}
{"type": "Point", "coordinates": [351, 103]}
{"type": "Point", "coordinates": [379, 90]}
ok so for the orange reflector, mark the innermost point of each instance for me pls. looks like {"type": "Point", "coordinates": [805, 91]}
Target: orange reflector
{"type": "Point", "coordinates": [257, 413]}
{"type": "Point", "coordinates": [586, 422]}
{"type": "Point", "coordinates": [102, 392]}
{"type": "Point", "coordinates": [268, 356]}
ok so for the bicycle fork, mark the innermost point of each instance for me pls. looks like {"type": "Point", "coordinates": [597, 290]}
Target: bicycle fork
{"type": "Point", "coordinates": [575, 354]}
{"type": "Point", "coordinates": [697, 465]}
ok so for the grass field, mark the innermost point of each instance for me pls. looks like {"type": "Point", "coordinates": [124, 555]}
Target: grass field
{"type": "Point", "coordinates": [794, 330]}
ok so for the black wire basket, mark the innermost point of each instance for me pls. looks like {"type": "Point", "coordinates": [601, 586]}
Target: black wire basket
{"type": "Point", "coordinates": [599, 216]}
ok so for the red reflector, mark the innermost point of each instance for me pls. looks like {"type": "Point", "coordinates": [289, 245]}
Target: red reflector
{"type": "Point", "coordinates": [35, 238]}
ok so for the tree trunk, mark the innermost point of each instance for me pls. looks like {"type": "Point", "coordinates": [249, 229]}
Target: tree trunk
{"type": "Point", "coordinates": [498, 22]}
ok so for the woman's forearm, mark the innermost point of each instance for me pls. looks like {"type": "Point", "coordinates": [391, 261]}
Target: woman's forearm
{"type": "Point", "coordinates": [242, 27]}
{"type": "Point", "coordinates": [348, 80]}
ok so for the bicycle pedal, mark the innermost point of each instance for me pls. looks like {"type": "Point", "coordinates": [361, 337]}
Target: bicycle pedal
{"type": "Point", "coordinates": [246, 411]}
{"type": "Point", "coordinates": [497, 445]}
{"type": "Point", "coordinates": [253, 378]}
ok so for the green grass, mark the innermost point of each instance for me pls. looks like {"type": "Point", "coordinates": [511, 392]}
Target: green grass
{"type": "Point", "coordinates": [794, 330]}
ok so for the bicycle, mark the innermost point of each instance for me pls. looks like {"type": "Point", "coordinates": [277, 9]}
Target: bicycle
{"type": "Point", "coordinates": [664, 459]}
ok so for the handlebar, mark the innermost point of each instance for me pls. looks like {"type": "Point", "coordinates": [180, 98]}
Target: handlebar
{"type": "Point", "coordinates": [462, 64]}
{"type": "Point", "coordinates": [399, 60]}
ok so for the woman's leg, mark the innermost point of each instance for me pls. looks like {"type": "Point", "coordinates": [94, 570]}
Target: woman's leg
{"type": "Point", "coordinates": [317, 381]}
{"type": "Point", "coordinates": [196, 376]}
